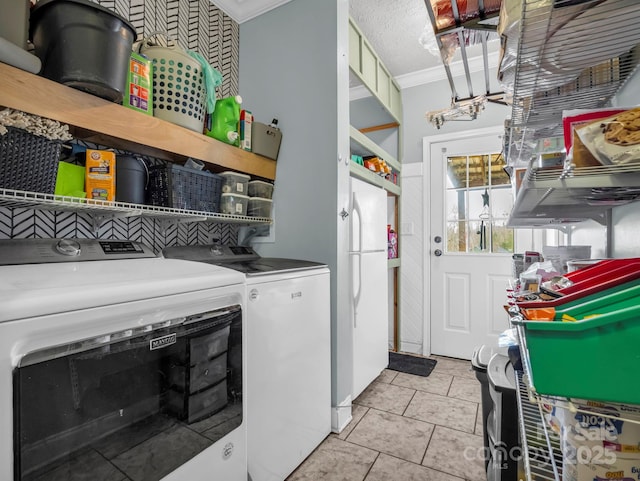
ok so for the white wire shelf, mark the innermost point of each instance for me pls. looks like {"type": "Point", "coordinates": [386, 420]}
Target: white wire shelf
{"type": "Point", "coordinates": [560, 196]}
{"type": "Point", "coordinates": [570, 55]}
{"type": "Point", "coordinates": [542, 454]}
{"type": "Point", "coordinates": [104, 209]}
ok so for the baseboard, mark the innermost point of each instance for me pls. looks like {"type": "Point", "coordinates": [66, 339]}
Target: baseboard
{"type": "Point", "coordinates": [411, 347]}
{"type": "Point", "coordinates": [341, 415]}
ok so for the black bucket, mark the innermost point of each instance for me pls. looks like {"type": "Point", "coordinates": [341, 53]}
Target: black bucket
{"type": "Point", "coordinates": [131, 179]}
{"type": "Point", "coordinates": [82, 45]}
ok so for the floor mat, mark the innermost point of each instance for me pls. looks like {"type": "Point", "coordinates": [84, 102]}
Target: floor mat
{"type": "Point", "coordinates": [420, 366]}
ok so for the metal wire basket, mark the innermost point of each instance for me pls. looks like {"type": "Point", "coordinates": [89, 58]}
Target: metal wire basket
{"type": "Point", "coordinates": [179, 89]}
{"type": "Point", "coordinates": [28, 162]}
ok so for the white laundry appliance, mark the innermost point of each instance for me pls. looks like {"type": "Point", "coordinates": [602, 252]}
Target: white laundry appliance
{"type": "Point", "coordinates": [369, 279]}
{"type": "Point", "coordinates": [118, 364]}
{"type": "Point", "coordinates": [288, 355]}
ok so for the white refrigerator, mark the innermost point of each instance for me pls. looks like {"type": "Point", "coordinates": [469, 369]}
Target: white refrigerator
{"type": "Point", "coordinates": [369, 292]}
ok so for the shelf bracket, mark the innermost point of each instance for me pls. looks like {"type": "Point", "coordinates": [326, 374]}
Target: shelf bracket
{"type": "Point", "coordinates": [164, 224]}
{"type": "Point", "coordinates": [98, 220]}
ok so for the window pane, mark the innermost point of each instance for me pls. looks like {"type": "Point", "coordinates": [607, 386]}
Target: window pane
{"type": "Point", "coordinates": [476, 204]}
{"type": "Point", "coordinates": [498, 175]}
{"type": "Point", "coordinates": [502, 237]}
{"type": "Point", "coordinates": [479, 235]}
{"type": "Point", "coordinates": [455, 208]}
{"type": "Point", "coordinates": [457, 171]}
{"type": "Point", "coordinates": [456, 237]}
{"type": "Point", "coordinates": [501, 202]}
{"type": "Point", "coordinates": [478, 170]}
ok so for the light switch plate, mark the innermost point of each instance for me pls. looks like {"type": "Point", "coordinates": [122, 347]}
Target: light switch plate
{"type": "Point", "coordinates": [406, 228]}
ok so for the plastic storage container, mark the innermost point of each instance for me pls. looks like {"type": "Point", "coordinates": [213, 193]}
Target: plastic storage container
{"type": "Point", "coordinates": [235, 183]}
{"type": "Point", "coordinates": [28, 162]}
{"type": "Point", "coordinates": [179, 187]}
{"type": "Point", "coordinates": [265, 140]}
{"type": "Point", "coordinates": [619, 297]}
{"type": "Point", "coordinates": [259, 207]}
{"type": "Point", "coordinates": [559, 255]}
{"type": "Point", "coordinates": [593, 359]}
{"type": "Point", "coordinates": [592, 281]}
{"type": "Point", "coordinates": [131, 179]}
{"type": "Point", "coordinates": [259, 188]}
{"type": "Point", "coordinates": [231, 203]}
{"type": "Point", "coordinates": [479, 362]}
{"type": "Point", "coordinates": [83, 45]}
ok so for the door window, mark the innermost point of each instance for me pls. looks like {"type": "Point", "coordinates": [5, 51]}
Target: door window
{"type": "Point", "coordinates": [478, 201]}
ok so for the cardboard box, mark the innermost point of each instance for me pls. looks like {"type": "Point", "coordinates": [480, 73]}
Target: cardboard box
{"type": "Point", "coordinates": [265, 140]}
{"type": "Point", "coordinates": [138, 93]}
{"type": "Point", "coordinates": [100, 180]}
{"type": "Point", "coordinates": [246, 119]}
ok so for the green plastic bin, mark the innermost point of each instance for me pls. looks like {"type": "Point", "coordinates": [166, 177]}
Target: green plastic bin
{"type": "Point", "coordinates": [596, 358]}
{"type": "Point", "coordinates": [612, 300]}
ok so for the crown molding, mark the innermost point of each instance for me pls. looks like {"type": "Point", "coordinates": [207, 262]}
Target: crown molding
{"type": "Point", "coordinates": [244, 10]}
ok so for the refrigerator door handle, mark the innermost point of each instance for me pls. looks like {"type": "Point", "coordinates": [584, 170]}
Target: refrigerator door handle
{"type": "Point", "coordinates": [358, 211]}
{"type": "Point", "coordinates": [358, 252]}
{"type": "Point", "coordinates": [356, 295]}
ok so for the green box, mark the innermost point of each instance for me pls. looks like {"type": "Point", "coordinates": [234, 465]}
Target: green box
{"type": "Point", "coordinates": [138, 93]}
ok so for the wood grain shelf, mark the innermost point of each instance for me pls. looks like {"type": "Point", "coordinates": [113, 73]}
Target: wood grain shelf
{"type": "Point", "coordinates": [96, 120]}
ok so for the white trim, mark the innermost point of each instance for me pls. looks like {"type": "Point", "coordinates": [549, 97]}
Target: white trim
{"type": "Point", "coordinates": [341, 415]}
{"type": "Point", "coordinates": [244, 10]}
{"type": "Point", "coordinates": [413, 169]}
{"type": "Point", "coordinates": [426, 226]}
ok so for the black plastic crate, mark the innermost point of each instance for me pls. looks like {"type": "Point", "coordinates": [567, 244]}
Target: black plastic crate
{"type": "Point", "coordinates": [28, 162]}
{"type": "Point", "coordinates": [179, 187]}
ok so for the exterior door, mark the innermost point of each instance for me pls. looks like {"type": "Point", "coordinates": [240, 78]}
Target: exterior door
{"type": "Point", "coordinates": [469, 247]}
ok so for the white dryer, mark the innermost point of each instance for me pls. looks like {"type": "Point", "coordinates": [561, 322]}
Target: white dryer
{"type": "Point", "coordinates": [288, 355]}
{"type": "Point", "coordinates": [118, 364]}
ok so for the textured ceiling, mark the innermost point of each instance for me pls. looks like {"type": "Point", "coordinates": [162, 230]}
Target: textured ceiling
{"type": "Point", "coordinates": [393, 29]}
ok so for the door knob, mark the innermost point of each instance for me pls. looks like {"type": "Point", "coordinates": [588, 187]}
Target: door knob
{"type": "Point", "coordinates": [437, 252]}
{"type": "Point", "coordinates": [437, 239]}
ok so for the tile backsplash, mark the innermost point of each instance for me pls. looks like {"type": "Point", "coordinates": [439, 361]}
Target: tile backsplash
{"type": "Point", "coordinates": [19, 223]}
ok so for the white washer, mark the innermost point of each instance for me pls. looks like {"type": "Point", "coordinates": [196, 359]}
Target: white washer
{"type": "Point", "coordinates": [289, 355]}
{"type": "Point", "coordinates": [118, 364]}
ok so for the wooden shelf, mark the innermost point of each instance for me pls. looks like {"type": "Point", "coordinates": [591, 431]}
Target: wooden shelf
{"type": "Point", "coordinates": [96, 120]}
{"type": "Point", "coordinates": [372, 178]}
{"type": "Point", "coordinates": [372, 148]}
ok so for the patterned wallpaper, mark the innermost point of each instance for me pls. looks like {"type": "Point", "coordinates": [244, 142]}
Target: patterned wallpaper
{"type": "Point", "coordinates": [196, 25]}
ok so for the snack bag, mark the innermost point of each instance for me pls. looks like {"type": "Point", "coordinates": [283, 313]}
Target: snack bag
{"type": "Point", "coordinates": [615, 139]}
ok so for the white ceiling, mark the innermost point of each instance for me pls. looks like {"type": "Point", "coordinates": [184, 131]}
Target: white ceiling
{"type": "Point", "coordinates": [391, 27]}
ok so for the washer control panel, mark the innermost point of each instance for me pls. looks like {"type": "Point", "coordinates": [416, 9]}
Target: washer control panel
{"type": "Point", "coordinates": [41, 251]}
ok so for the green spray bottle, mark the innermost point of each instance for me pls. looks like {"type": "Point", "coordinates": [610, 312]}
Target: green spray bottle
{"type": "Point", "coordinates": [223, 123]}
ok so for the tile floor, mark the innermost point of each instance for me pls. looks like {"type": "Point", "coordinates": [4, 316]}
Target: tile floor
{"type": "Point", "coordinates": [407, 428]}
